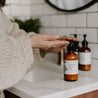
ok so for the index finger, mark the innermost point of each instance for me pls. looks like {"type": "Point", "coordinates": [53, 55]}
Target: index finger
{"type": "Point", "coordinates": [67, 38]}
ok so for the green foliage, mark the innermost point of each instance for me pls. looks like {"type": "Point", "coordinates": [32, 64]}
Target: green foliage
{"type": "Point", "coordinates": [28, 25]}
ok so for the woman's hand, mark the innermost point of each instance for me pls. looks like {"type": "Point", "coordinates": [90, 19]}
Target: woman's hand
{"type": "Point", "coordinates": [57, 49]}
{"type": "Point", "coordinates": [52, 43]}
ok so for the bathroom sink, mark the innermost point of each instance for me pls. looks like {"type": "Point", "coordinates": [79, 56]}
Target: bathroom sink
{"type": "Point", "coordinates": [45, 71]}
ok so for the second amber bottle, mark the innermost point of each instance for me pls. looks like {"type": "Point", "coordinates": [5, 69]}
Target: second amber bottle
{"type": "Point", "coordinates": [85, 56]}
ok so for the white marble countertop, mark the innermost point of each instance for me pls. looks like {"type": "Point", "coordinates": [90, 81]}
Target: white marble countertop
{"type": "Point", "coordinates": [46, 81]}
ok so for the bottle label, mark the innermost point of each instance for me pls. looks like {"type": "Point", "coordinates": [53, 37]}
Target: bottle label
{"type": "Point", "coordinates": [70, 67]}
{"type": "Point", "coordinates": [85, 58]}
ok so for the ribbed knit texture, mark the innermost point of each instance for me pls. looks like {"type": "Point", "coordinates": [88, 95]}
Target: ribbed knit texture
{"type": "Point", "coordinates": [16, 55]}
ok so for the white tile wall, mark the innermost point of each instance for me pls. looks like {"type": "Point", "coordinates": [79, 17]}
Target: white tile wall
{"type": "Point", "coordinates": [56, 22]}
{"type": "Point", "coordinates": [91, 34]}
{"type": "Point", "coordinates": [92, 20]}
{"type": "Point", "coordinates": [66, 31]}
{"type": "Point", "coordinates": [76, 20]}
{"type": "Point", "coordinates": [94, 49]}
{"type": "Point", "coordinates": [37, 10]}
{"type": "Point", "coordinates": [20, 10]}
{"type": "Point", "coordinates": [47, 10]}
{"type": "Point", "coordinates": [12, 1]}
{"type": "Point", "coordinates": [46, 21]}
{"type": "Point", "coordinates": [94, 64]}
{"type": "Point", "coordinates": [37, 1]}
{"type": "Point", "coordinates": [50, 31]}
{"type": "Point", "coordinates": [26, 2]}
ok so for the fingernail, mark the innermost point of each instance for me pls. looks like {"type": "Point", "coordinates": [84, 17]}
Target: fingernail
{"type": "Point", "coordinates": [67, 44]}
{"type": "Point", "coordinates": [54, 47]}
{"type": "Point", "coordinates": [57, 37]}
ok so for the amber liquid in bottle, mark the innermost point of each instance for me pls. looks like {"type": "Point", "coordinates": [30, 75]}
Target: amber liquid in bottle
{"type": "Point", "coordinates": [70, 64]}
{"type": "Point", "coordinates": [85, 56]}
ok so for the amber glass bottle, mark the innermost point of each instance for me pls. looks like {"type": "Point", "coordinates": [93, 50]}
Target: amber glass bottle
{"type": "Point", "coordinates": [70, 64]}
{"type": "Point", "coordinates": [76, 44]}
{"type": "Point", "coordinates": [85, 56]}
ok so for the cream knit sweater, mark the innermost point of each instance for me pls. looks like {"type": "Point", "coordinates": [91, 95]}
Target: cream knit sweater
{"type": "Point", "coordinates": [16, 55]}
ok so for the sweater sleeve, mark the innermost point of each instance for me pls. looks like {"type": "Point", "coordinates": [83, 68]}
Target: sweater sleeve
{"type": "Point", "coordinates": [15, 59]}
{"type": "Point", "coordinates": [16, 55]}
{"type": "Point", "coordinates": [13, 30]}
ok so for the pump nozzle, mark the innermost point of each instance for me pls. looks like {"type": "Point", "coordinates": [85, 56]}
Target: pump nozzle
{"type": "Point", "coordinates": [85, 35]}
{"type": "Point", "coordinates": [85, 42]}
{"type": "Point", "coordinates": [75, 35]}
{"type": "Point", "coordinates": [76, 43]}
{"type": "Point", "coordinates": [70, 46]}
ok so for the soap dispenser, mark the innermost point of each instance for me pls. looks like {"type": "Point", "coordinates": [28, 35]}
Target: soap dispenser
{"type": "Point", "coordinates": [76, 44]}
{"type": "Point", "coordinates": [85, 56]}
{"type": "Point", "coordinates": [70, 63]}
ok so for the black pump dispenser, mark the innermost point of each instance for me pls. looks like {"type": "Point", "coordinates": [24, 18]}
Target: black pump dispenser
{"type": "Point", "coordinates": [85, 42]}
{"type": "Point", "coordinates": [77, 42]}
{"type": "Point", "coordinates": [70, 46]}
{"type": "Point", "coordinates": [75, 35]}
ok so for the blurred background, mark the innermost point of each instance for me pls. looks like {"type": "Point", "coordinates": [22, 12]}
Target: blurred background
{"type": "Point", "coordinates": [56, 22]}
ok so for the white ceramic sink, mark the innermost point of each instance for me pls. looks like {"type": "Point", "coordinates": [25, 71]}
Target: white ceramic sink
{"type": "Point", "coordinates": [44, 72]}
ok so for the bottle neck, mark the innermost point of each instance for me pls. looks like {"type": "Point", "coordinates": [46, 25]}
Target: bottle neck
{"type": "Point", "coordinates": [76, 43]}
{"type": "Point", "coordinates": [85, 46]}
{"type": "Point", "coordinates": [70, 51]}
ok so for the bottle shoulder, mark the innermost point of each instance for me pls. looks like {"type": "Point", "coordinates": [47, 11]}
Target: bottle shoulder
{"type": "Point", "coordinates": [84, 49]}
{"type": "Point", "coordinates": [77, 49]}
{"type": "Point", "coordinates": [71, 56]}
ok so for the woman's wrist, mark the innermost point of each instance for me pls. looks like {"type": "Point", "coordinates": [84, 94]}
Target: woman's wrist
{"type": "Point", "coordinates": [32, 43]}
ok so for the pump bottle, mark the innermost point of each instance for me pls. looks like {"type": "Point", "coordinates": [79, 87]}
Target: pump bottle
{"type": "Point", "coordinates": [70, 64]}
{"type": "Point", "coordinates": [76, 44]}
{"type": "Point", "coordinates": [85, 56]}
